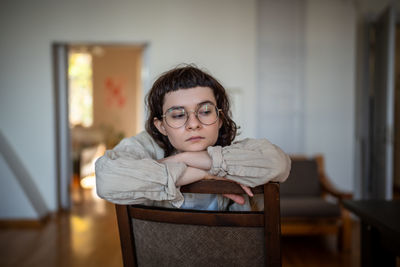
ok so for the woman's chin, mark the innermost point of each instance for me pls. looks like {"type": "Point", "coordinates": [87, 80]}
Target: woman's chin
{"type": "Point", "coordinates": [194, 148]}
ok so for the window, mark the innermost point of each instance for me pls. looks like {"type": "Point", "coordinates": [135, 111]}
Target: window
{"type": "Point", "coordinates": [80, 89]}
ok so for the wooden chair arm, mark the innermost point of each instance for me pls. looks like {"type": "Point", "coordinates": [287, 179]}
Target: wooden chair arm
{"type": "Point", "coordinates": [329, 188]}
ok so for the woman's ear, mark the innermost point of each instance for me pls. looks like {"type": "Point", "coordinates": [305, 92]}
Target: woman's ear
{"type": "Point", "coordinates": [220, 122]}
{"type": "Point", "coordinates": [160, 126]}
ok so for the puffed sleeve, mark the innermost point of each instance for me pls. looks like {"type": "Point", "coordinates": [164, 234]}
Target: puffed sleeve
{"type": "Point", "coordinates": [129, 174]}
{"type": "Point", "coordinates": [250, 162]}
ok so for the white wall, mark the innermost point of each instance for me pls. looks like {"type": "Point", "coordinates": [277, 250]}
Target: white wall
{"type": "Point", "coordinates": [218, 35]}
{"type": "Point", "coordinates": [330, 83]}
{"type": "Point", "coordinates": [281, 72]}
{"type": "Point", "coordinates": [9, 189]}
{"type": "Point", "coordinates": [306, 79]}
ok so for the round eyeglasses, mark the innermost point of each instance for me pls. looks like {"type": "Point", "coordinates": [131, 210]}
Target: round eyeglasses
{"type": "Point", "coordinates": [177, 117]}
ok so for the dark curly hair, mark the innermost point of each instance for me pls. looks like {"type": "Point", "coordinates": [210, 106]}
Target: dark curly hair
{"type": "Point", "coordinates": [185, 77]}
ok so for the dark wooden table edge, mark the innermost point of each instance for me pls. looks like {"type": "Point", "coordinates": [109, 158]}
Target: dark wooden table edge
{"type": "Point", "coordinates": [366, 217]}
{"type": "Point", "coordinates": [388, 233]}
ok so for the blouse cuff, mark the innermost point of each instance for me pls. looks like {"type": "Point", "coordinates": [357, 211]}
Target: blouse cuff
{"type": "Point", "coordinates": [218, 166]}
{"type": "Point", "coordinates": [174, 171]}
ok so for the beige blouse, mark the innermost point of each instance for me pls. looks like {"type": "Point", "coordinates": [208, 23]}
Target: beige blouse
{"type": "Point", "coordinates": [130, 173]}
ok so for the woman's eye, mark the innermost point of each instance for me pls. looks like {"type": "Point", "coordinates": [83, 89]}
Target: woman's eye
{"type": "Point", "coordinates": [204, 112]}
{"type": "Point", "coordinates": [178, 115]}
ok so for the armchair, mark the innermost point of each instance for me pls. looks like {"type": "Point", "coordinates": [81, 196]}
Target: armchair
{"type": "Point", "coordinates": [305, 209]}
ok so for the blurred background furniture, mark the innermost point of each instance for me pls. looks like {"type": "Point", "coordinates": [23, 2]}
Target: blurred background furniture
{"type": "Point", "coordinates": [88, 144]}
{"type": "Point", "coordinates": [152, 236]}
{"type": "Point", "coordinates": [311, 205]}
{"type": "Point", "coordinates": [380, 230]}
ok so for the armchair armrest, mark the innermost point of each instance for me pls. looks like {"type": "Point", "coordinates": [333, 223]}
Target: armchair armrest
{"type": "Point", "coordinates": [329, 188]}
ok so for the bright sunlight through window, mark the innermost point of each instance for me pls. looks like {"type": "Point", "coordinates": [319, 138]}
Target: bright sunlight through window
{"type": "Point", "coordinates": [80, 89]}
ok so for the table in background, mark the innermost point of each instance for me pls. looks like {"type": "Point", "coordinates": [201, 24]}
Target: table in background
{"type": "Point", "coordinates": [380, 230]}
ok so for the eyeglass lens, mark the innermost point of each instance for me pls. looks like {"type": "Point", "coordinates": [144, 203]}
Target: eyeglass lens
{"type": "Point", "coordinates": [207, 114]}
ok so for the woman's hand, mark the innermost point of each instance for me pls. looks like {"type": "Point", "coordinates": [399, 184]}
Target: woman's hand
{"type": "Point", "coordinates": [239, 199]}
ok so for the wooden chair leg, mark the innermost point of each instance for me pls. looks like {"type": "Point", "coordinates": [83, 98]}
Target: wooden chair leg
{"type": "Point", "coordinates": [345, 232]}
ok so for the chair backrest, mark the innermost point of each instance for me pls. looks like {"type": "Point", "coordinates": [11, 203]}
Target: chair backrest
{"type": "Point", "coordinates": [303, 179]}
{"type": "Point", "coordinates": [153, 236]}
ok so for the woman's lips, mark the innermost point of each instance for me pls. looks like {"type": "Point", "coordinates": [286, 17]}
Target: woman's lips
{"type": "Point", "coordinates": [194, 138]}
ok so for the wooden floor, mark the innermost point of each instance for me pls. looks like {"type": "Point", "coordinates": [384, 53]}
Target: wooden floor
{"type": "Point", "coordinates": [87, 236]}
{"type": "Point", "coordinates": [318, 251]}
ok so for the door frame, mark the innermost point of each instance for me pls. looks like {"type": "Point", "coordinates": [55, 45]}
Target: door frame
{"type": "Point", "coordinates": [369, 183]}
{"type": "Point", "coordinates": [64, 168]}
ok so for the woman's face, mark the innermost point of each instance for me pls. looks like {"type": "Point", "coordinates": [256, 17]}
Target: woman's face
{"type": "Point", "coordinates": [193, 136]}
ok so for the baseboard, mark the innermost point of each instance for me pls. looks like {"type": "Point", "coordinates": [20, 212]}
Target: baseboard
{"type": "Point", "coordinates": [24, 223]}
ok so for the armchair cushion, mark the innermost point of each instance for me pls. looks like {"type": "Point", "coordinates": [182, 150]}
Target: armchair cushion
{"type": "Point", "coordinates": [308, 207]}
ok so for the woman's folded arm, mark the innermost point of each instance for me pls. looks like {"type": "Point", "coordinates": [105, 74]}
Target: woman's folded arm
{"type": "Point", "coordinates": [250, 162]}
{"type": "Point", "coordinates": [129, 175]}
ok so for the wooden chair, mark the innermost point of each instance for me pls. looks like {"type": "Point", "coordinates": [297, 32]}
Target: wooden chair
{"type": "Point", "coordinates": [153, 236]}
{"type": "Point", "coordinates": [305, 209]}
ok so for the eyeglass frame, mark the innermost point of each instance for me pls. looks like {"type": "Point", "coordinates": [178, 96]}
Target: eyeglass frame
{"type": "Point", "coordinates": [195, 113]}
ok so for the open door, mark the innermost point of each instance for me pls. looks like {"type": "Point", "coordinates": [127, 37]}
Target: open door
{"type": "Point", "coordinates": [382, 107]}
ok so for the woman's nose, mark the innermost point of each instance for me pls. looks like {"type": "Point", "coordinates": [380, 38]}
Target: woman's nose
{"type": "Point", "coordinates": [192, 122]}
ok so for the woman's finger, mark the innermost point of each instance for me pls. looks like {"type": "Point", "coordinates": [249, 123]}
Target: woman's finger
{"type": "Point", "coordinates": [247, 190]}
{"type": "Point", "coordinates": [237, 198]}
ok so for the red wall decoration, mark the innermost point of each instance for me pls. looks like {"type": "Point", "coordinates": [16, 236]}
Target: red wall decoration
{"type": "Point", "coordinates": [114, 92]}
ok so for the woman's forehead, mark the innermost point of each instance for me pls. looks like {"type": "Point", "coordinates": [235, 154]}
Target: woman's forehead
{"type": "Point", "coordinates": [189, 98]}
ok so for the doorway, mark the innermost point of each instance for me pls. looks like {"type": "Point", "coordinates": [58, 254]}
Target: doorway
{"type": "Point", "coordinates": [98, 102]}
{"type": "Point", "coordinates": [378, 150]}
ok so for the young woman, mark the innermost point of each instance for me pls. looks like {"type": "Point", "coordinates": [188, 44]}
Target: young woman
{"type": "Point", "coordinates": [188, 137]}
